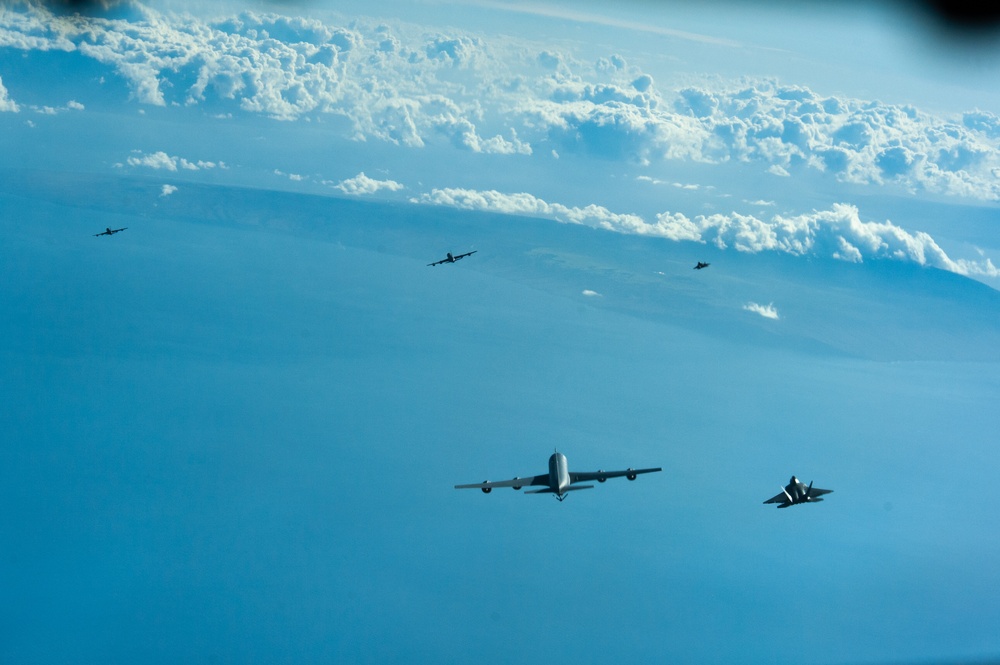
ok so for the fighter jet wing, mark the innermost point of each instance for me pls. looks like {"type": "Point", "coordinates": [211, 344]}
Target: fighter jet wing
{"type": "Point", "coordinates": [513, 482]}
{"type": "Point", "coordinates": [580, 476]}
{"type": "Point", "coordinates": [779, 498]}
{"type": "Point", "coordinates": [814, 492]}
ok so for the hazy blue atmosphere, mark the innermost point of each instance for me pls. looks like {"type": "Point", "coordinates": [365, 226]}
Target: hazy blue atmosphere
{"type": "Point", "coordinates": [232, 430]}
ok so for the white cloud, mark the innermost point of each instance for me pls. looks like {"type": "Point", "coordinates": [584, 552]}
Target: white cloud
{"type": "Point", "coordinates": [294, 177]}
{"type": "Point", "coordinates": [591, 294]}
{"type": "Point", "coordinates": [838, 233]}
{"type": "Point", "coordinates": [767, 311]}
{"type": "Point", "coordinates": [7, 104]}
{"type": "Point", "coordinates": [161, 160]}
{"type": "Point", "coordinates": [505, 96]}
{"type": "Point", "coordinates": [362, 184]}
{"type": "Point", "coordinates": [526, 204]}
{"type": "Point", "coordinates": [167, 190]}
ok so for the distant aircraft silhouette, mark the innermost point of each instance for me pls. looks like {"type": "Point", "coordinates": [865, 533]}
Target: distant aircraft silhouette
{"type": "Point", "coordinates": [796, 492]}
{"type": "Point", "coordinates": [110, 231]}
{"type": "Point", "coordinates": [701, 265]}
{"type": "Point", "coordinates": [452, 259]}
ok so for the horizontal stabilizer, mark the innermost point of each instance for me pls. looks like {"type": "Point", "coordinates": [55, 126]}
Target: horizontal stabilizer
{"type": "Point", "coordinates": [549, 490]}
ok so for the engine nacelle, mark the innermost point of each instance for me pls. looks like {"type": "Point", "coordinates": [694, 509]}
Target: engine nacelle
{"type": "Point", "coordinates": [631, 476]}
{"type": "Point", "coordinates": [601, 479]}
{"type": "Point", "coordinates": [487, 490]}
{"type": "Point", "coordinates": [517, 487]}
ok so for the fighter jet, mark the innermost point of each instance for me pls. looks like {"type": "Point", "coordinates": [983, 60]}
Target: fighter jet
{"type": "Point", "coordinates": [701, 265]}
{"type": "Point", "coordinates": [559, 480]}
{"type": "Point", "coordinates": [796, 492]}
{"type": "Point", "coordinates": [452, 259]}
{"type": "Point", "coordinates": [110, 231]}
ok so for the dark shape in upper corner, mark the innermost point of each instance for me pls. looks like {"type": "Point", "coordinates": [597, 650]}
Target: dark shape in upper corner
{"type": "Point", "coordinates": [110, 231]}
{"type": "Point", "coordinates": [796, 492]}
{"type": "Point", "coordinates": [701, 265]}
{"type": "Point", "coordinates": [452, 259]}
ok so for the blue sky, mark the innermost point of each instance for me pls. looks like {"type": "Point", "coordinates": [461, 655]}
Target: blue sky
{"type": "Point", "coordinates": [233, 430]}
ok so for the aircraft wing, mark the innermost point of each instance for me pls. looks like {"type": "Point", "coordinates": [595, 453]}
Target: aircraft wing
{"type": "Point", "coordinates": [513, 482]}
{"type": "Point", "coordinates": [779, 498]}
{"type": "Point", "coordinates": [462, 256]}
{"type": "Point", "coordinates": [580, 476]}
{"type": "Point", "coordinates": [814, 492]}
{"type": "Point", "coordinates": [438, 262]}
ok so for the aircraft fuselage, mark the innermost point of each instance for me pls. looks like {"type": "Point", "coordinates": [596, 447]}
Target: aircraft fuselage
{"type": "Point", "coordinates": [558, 473]}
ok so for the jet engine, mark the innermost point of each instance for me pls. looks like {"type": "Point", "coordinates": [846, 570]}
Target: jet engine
{"type": "Point", "coordinates": [630, 475]}
{"type": "Point", "coordinates": [487, 490]}
{"type": "Point", "coordinates": [601, 479]}
{"type": "Point", "coordinates": [517, 487]}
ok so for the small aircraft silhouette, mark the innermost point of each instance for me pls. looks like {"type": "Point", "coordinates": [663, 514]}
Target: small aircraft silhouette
{"type": "Point", "coordinates": [796, 492]}
{"type": "Point", "coordinates": [559, 480]}
{"type": "Point", "coordinates": [452, 259]}
{"type": "Point", "coordinates": [701, 265]}
{"type": "Point", "coordinates": [110, 231]}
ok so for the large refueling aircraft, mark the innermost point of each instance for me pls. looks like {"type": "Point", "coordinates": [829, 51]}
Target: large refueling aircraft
{"type": "Point", "coordinates": [559, 480]}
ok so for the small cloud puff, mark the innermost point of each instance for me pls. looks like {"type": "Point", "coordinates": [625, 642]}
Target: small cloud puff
{"type": "Point", "coordinates": [167, 190]}
{"type": "Point", "coordinates": [767, 311]}
{"type": "Point", "coordinates": [162, 161]}
{"type": "Point", "coordinates": [294, 177]}
{"type": "Point", "coordinates": [591, 294]}
{"type": "Point", "coordinates": [362, 184]}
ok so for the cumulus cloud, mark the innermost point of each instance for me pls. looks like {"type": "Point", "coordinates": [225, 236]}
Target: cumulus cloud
{"type": "Point", "coordinates": [838, 233]}
{"type": "Point", "coordinates": [362, 184]}
{"type": "Point", "coordinates": [767, 311]}
{"type": "Point", "coordinates": [591, 294]}
{"type": "Point", "coordinates": [528, 205]}
{"type": "Point", "coordinates": [6, 103]}
{"type": "Point", "coordinates": [167, 190]}
{"type": "Point", "coordinates": [162, 161]}
{"type": "Point", "coordinates": [502, 96]}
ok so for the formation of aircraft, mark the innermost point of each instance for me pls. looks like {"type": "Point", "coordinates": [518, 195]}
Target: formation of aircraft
{"type": "Point", "coordinates": [452, 259]}
{"type": "Point", "coordinates": [796, 492]}
{"type": "Point", "coordinates": [110, 231]}
{"type": "Point", "coordinates": [559, 480]}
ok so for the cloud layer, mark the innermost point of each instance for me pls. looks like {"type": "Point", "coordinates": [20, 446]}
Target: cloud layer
{"type": "Point", "coordinates": [411, 86]}
{"type": "Point", "coordinates": [838, 233]}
